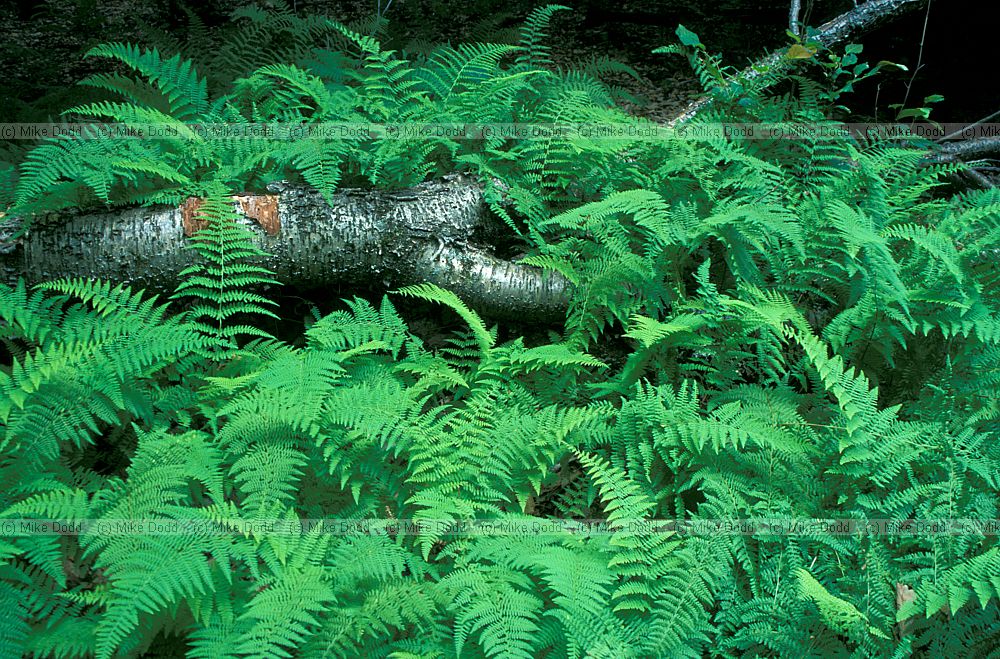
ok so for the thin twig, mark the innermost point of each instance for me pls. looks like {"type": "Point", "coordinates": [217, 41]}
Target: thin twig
{"type": "Point", "coordinates": [972, 125]}
{"type": "Point", "coordinates": [920, 55]}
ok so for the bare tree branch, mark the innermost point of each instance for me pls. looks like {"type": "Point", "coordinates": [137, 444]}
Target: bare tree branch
{"type": "Point", "coordinates": [794, 11]}
{"type": "Point", "coordinates": [861, 19]}
{"type": "Point", "coordinates": [966, 150]}
{"type": "Point", "coordinates": [986, 148]}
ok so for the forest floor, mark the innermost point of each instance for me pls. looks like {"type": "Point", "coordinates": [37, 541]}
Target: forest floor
{"type": "Point", "coordinates": [665, 84]}
{"type": "Point", "coordinates": [43, 52]}
{"type": "Point", "coordinates": [42, 47]}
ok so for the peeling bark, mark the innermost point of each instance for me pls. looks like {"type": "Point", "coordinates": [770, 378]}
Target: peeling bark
{"type": "Point", "coordinates": [863, 18]}
{"type": "Point", "coordinates": [904, 595]}
{"type": "Point", "coordinates": [367, 238]}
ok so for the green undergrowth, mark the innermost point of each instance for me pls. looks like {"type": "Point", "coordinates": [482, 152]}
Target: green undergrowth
{"type": "Point", "coordinates": [811, 331]}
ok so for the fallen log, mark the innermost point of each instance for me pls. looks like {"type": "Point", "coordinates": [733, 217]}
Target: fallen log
{"type": "Point", "coordinates": [984, 148]}
{"type": "Point", "coordinates": [369, 238]}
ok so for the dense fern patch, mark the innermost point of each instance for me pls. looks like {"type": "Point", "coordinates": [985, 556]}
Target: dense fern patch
{"type": "Point", "coordinates": [812, 331]}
